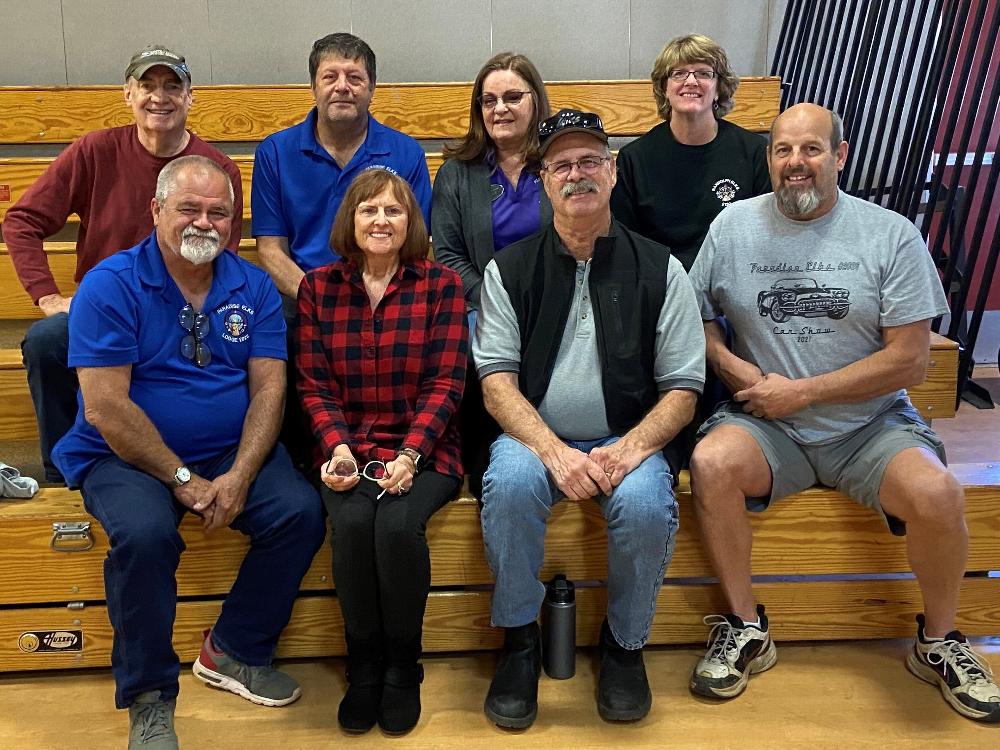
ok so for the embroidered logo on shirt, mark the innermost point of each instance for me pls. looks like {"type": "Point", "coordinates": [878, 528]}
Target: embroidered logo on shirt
{"type": "Point", "coordinates": [235, 322]}
{"type": "Point", "coordinates": [386, 167]}
{"type": "Point", "coordinates": [725, 190]}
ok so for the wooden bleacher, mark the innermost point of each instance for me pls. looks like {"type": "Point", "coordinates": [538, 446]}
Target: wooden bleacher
{"type": "Point", "coordinates": [245, 115]}
{"type": "Point", "coordinates": [817, 533]}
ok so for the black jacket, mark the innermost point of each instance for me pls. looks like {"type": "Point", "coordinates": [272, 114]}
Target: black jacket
{"type": "Point", "coordinates": [628, 279]}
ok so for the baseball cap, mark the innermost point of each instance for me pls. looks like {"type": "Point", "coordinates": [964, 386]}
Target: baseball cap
{"type": "Point", "coordinates": [157, 54]}
{"type": "Point", "coordinates": [569, 121]}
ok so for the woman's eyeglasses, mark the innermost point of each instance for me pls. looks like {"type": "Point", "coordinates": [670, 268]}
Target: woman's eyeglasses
{"type": "Point", "coordinates": [509, 98]}
{"type": "Point", "coordinates": [194, 346]}
{"type": "Point", "coordinates": [342, 466]}
{"type": "Point", "coordinates": [680, 76]}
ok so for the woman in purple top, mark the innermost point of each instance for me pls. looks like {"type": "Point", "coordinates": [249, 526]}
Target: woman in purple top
{"type": "Point", "coordinates": [488, 195]}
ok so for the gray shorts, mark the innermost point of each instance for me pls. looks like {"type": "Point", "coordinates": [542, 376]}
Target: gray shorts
{"type": "Point", "coordinates": [853, 464]}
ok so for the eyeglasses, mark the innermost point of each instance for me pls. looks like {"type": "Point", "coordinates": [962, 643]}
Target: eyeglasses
{"type": "Point", "coordinates": [342, 466]}
{"type": "Point", "coordinates": [680, 76]}
{"type": "Point", "coordinates": [587, 165]}
{"type": "Point", "coordinates": [509, 98]}
{"type": "Point", "coordinates": [193, 345]}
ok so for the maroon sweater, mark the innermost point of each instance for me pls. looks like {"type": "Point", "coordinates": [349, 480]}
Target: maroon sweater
{"type": "Point", "coordinates": [108, 179]}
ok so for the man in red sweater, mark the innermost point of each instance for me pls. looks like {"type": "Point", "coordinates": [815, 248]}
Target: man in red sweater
{"type": "Point", "coordinates": [107, 178]}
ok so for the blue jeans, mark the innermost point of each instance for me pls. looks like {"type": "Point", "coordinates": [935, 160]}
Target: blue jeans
{"type": "Point", "coordinates": [52, 384]}
{"type": "Point", "coordinates": [284, 519]}
{"type": "Point", "coordinates": [518, 495]}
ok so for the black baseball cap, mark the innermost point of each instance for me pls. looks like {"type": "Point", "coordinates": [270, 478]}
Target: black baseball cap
{"type": "Point", "coordinates": [569, 121]}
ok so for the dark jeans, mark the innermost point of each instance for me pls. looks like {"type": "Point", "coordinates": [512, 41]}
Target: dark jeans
{"type": "Point", "coordinates": [284, 520]}
{"type": "Point", "coordinates": [52, 383]}
{"type": "Point", "coordinates": [296, 432]}
{"type": "Point", "coordinates": [381, 563]}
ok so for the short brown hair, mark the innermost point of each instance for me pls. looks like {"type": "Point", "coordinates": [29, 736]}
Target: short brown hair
{"type": "Point", "coordinates": [366, 186]}
{"type": "Point", "coordinates": [475, 144]}
{"type": "Point", "coordinates": [685, 50]}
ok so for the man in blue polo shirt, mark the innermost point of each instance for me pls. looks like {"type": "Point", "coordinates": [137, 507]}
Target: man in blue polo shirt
{"type": "Point", "coordinates": [301, 173]}
{"type": "Point", "coordinates": [180, 352]}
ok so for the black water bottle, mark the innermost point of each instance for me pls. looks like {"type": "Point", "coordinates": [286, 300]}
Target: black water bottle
{"type": "Point", "coordinates": [559, 629]}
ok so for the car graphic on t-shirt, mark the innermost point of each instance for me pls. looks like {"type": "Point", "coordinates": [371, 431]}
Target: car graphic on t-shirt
{"type": "Point", "coordinates": [804, 298]}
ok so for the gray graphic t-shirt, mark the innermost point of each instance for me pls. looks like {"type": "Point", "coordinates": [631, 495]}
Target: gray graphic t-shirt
{"type": "Point", "coordinates": [808, 297]}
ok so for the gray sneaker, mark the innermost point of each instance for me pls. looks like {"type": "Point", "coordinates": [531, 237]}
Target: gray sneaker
{"type": "Point", "coordinates": [264, 685]}
{"type": "Point", "coordinates": [151, 723]}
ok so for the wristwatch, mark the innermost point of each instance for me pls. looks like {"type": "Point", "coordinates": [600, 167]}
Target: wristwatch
{"type": "Point", "coordinates": [182, 476]}
{"type": "Point", "coordinates": [413, 456]}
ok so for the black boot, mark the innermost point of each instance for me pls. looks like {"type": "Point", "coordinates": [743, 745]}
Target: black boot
{"type": "Point", "coordinates": [622, 688]}
{"type": "Point", "coordinates": [512, 701]}
{"type": "Point", "coordinates": [358, 708]}
{"type": "Point", "coordinates": [399, 709]}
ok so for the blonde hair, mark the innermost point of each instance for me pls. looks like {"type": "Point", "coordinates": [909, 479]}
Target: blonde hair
{"type": "Point", "coordinates": [685, 50]}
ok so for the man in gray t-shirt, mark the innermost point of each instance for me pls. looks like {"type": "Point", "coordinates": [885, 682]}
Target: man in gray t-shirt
{"type": "Point", "coordinates": [829, 299]}
{"type": "Point", "coordinates": [591, 355]}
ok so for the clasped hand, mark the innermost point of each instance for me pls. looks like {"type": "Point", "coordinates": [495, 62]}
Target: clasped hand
{"type": "Point", "coordinates": [218, 502]}
{"type": "Point", "coordinates": [580, 475]}
{"type": "Point", "coordinates": [773, 397]}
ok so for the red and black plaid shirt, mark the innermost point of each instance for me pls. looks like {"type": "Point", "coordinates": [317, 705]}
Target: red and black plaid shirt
{"type": "Point", "coordinates": [386, 379]}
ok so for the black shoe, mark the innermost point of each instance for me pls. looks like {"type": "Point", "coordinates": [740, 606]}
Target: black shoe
{"type": "Point", "coordinates": [512, 701]}
{"type": "Point", "coordinates": [399, 708]}
{"type": "Point", "coordinates": [359, 707]}
{"type": "Point", "coordinates": [622, 688]}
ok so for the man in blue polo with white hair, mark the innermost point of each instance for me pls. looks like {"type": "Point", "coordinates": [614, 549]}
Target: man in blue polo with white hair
{"type": "Point", "coordinates": [180, 352]}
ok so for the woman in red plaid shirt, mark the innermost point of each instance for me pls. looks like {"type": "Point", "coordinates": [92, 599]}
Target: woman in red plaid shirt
{"type": "Point", "coordinates": [382, 347]}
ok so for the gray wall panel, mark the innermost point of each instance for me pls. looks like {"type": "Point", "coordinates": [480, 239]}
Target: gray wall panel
{"type": "Point", "coordinates": [263, 41]}
{"type": "Point", "coordinates": [102, 36]}
{"type": "Point", "coordinates": [425, 40]}
{"type": "Point", "coordinates": [31, 43]}
{"type": "Point", "coordinates": [271, 42]}
{"type": "Point", "coordinates": [566, 40]}
{"type": "Point", "coordinates": [739, 27]}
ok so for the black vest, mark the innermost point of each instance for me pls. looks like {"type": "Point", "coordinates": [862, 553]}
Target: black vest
{"type": "Point", "coordinates": [628, 280]}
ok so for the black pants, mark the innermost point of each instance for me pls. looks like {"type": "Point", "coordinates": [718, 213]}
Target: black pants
{"type": "Point", "coordinates": [381, 563]}
{"type": "Point", "coordinates": [477, 430]}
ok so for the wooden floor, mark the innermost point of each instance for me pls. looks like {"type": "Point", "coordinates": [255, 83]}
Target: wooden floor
{"type": "Point", "coordinates": [838, 696]}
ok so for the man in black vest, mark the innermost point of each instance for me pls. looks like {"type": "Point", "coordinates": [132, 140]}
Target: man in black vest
{"type": "Point", "coordinates": [591, 355]}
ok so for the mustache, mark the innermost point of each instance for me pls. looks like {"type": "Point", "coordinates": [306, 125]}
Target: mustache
{"type": "Point", "coordinates": [202, 234]}
{"type": "Point", "coordinates": [797, 172]}
{"type": "Point", "coordinates": [581, 186]}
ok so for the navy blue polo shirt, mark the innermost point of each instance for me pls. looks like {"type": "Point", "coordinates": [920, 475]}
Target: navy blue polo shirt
{"type": "Point", "coordinates": [125, 312]}
{"type": "Point", "coordinates": [297, 186]}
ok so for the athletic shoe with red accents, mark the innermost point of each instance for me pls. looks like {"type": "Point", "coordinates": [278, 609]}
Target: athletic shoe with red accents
{"type": "Point", "coordinates": [264, 685]}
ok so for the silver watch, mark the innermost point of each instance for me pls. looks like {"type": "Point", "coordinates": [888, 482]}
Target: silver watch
{"type": "Point", "coordinates": [182, 476]}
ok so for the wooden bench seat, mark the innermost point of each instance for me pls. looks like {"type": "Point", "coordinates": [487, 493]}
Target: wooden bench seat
{"type": "Point", "coordinates": [823, 560]}
{"type": "Point", "coordinates": [247, 114]}
{"type": "Point", "coordinates": [935, 397]}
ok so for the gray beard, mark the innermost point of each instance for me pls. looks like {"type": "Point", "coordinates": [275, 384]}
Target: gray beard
{"type": "Point", "coordinates": [199, 249]}
{"type": "Point", "coordinates": [797, 202]}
